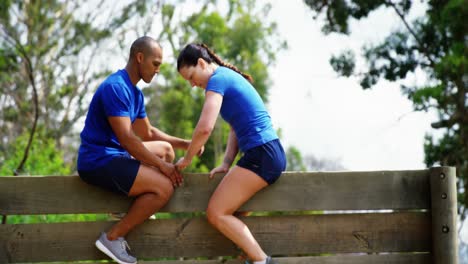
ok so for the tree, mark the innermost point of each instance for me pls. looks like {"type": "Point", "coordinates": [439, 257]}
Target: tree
{"type": "Point", "coordinates": [48, 51]}
{"type": "Point", "coordinates": [434, 43]}
{"type": "Point", "coordinates": [45, 158]}
{"type": "Point", "coordinates": [322, 164]}
{"type": "Point", "coordinates": [294, 160]}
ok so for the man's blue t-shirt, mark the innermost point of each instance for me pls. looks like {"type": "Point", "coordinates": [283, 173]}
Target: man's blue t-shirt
{"type": "Point", "coordinates": [242, 108]}
{"type": "Point", "coordinates": [116, 96]}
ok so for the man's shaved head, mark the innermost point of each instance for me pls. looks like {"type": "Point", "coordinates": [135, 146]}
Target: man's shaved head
{"type": "Point", "coordinates": [144, 45]}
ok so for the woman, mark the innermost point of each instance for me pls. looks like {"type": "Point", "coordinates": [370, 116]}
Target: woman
{"type": "Point", "coordinates": [229, 91]}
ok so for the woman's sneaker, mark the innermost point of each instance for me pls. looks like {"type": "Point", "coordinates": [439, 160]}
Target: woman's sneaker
{"type": "Point", "coordinates": [115, 249]}
{"type": "Point", "coordinates": [269, 260]}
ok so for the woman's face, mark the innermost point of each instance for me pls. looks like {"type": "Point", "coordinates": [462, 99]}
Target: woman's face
{"type": "Point", "coordinates": [197, 75]}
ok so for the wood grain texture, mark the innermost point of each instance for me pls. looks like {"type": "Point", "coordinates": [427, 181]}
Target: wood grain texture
{"type": "Point", "coordinates": [393, 258]}
{"type": "Point", "coordinates": [194, 237]}
{"type": "Point", "coordinates": [294, 191]}
{"type": "Point", "coordinates": [444, 215]}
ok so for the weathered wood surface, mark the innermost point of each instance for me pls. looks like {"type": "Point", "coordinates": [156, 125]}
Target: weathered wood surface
{"type": "Point", "coordinates": [423, 258]}
{"type": "Point", "coordinates": [293, 191]}
{"type": "Point", "coordinates": [401, 234]}
{"type": "Point", "coordinates": [278, 235]}
{"type": "Point", "coordinates": [418, 258]}
{"type": "Point", "coordinates": [444, 215]}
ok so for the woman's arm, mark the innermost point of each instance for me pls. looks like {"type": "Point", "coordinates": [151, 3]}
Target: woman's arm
{"type": "Point", "coordinates": [230, 154]}
{"type": "Point", "coordinates": [147, 132]}
{"type": "Point", "coordinates": [232, 149]}
{"type": "Point", "coordinates": [204, 127]}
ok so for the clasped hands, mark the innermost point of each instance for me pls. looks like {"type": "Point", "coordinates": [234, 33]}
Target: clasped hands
{"type": "Point", "coordinates": [174, 173]}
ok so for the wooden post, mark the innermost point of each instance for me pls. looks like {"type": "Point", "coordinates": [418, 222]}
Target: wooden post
{"type": "Point", "coordinates": [444, 215]}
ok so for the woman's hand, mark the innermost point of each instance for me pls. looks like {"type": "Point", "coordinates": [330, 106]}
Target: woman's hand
{"type": "Point", "coordinates": [182, 163]}
{"type": "Point", "coordinates": [220, 169]}
{"type": "Point", "coordinates": [200, 152]}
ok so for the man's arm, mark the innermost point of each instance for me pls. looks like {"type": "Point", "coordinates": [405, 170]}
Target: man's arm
{"type": "Point", "coordinates": [128, 140]}
{"type": "Point", "coordinates": [147, 132]}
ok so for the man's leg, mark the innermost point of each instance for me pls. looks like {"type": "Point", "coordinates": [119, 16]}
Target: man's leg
{"type": "Point", "coordinates": [152, 190]}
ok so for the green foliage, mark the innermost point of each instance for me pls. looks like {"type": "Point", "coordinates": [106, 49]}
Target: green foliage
{"type": "Point", "coordinates": [44, 158]}
{"type": "Point", "coordinates": [49, 46]}
{"type": "Point", "coordinates": [344, 63]}
{"type": "Point", "coordinates": [294, 159]}
{"type": "Point", "coordinates": [57, 218]}
{"type": "Point", "coordinates": [434, 43]}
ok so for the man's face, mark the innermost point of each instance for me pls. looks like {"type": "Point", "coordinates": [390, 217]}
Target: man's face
{"type": "Point", "coordinates": [150, 64]}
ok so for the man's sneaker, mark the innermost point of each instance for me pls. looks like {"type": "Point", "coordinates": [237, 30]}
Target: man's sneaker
{"type": "Point", "coordinates": [115, 249]}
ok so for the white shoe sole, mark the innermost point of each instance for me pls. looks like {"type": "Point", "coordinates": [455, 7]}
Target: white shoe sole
{"type": "Point", "coordinates": [106, 251]}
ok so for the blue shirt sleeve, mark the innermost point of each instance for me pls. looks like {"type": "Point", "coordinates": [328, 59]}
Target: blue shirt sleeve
{"type": "Point", "coordinates": [141, 110]}
{"type": "Point", "coordinates": [116, 102]}
{"type": "Point", "coordinates": [217, 83]}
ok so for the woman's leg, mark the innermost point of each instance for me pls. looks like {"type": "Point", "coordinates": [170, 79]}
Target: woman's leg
{"type": "Point", "coordinates": [237, 187]}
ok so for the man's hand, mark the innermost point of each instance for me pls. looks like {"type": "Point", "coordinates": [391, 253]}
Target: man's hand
{"type": "Point", "coordinates": [170, 171]}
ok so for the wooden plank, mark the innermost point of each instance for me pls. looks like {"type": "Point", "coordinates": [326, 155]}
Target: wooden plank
{"type": "Point", "coordinates": [278, 235]}
{"type": "Point", "coordinates": [393, 258]}
{"type": "Point", "coordinates": [444, 215]}
{"type": "Point", "coordinates": [419, 258]}
{"type": "Point", "coordinates": [358, 259]}
{"type": "Point", "coordinates": [294, 191]}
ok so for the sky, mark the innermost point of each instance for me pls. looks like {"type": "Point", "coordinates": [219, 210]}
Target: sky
{"type": "Point", "coordinates": [332, 117]}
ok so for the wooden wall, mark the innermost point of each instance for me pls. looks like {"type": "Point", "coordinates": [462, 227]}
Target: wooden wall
{"type": "Point", "coordinates": [326, 217]}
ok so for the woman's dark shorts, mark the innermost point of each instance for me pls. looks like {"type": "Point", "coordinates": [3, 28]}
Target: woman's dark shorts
{"type": "Point", "coordinates": [118, 175]}
{"type": "Point", "coordinates": [268, 160]}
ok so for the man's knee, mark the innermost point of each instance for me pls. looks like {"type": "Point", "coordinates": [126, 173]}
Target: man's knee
{"type": "Point", "coordinates": [170, 155]}
{"type": "Point", "coordinates": [168, 152]}
{"type": "Point", "coordinates": [151, 180]}
{"type": "Point", "coordinates": [164, 190]}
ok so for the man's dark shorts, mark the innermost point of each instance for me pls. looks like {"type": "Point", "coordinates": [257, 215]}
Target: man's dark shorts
{"type": "Point", "coordinates": [118, 175]}
{"type": "Point", "coordinates": [268, 160]}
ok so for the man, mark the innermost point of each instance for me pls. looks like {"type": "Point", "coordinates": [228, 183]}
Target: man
{"type": "Point", "coordinates": [122, 152]}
